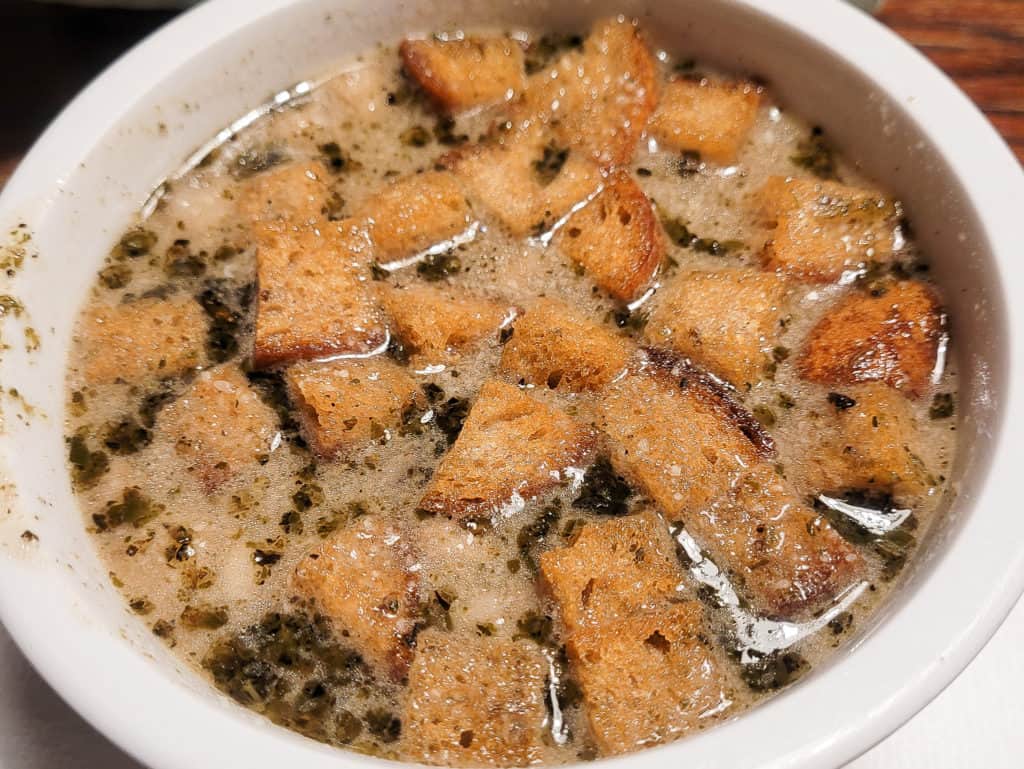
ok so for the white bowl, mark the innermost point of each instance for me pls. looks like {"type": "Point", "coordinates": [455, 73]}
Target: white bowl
{"type": "Point", "coordinates": [881, 102]}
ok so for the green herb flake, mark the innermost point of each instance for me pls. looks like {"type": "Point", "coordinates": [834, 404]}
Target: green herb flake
{"type": "Point", "coordinates": [10, 306]}
{"type": "Point", "coordinates": [815, 155]}
{"type": "Point", "coordinates": [204, 617]}
{"type": "Point", "coordinates": [434, 267]}
{"type": "Point", "coordinates": [134, 508]}
{"type": "Point", "coordinates": [542, 51]}
{"type": "Point", "coordinates": [134, 243]}
{"type": "Point", "coordinates": [942, 406]}
{"type": "Point", "coordinates": [87, 466]}
{"type": "Point", "coordinates": [604, 491]}
{"type": "Point", "coordinates": [256, 160]}
{"type": "Point", "coordinates": [547, 168]}
{"type": "Point", "coordinates": [415, 136]}
{"type": "Point", "coordinates": [116, 276]}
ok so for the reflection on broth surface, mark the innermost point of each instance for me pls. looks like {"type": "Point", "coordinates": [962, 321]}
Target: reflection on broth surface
{"type": "Point", "coordinates": [512, 399]}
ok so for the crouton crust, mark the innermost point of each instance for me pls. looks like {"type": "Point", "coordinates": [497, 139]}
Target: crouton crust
{"type": "Point", "coordinates": [823, 229]}
{"type": "Point", "coordinates": [711, 119]}
{"type": "Point", "coordinates": [472, 72]}
{"type": "Point", "coordinates": [296, 193]}
{"type": "Point", "coordinates": [726, 320]}
{"type": "Point", "coordinates": [411, 214]}
{"type": "Point", "coordinates": [219, 425]}
{"type": "Point", "coordinates": [552, 346]}
{"type": "Point", "coordinates": [511, 445]}
{"type": "Point", "coordinates": [147, 337]}
{"type": "Point", "coordinates": [616, 238]}
{"type": "Point", "coordinates": [347, 403]}
{"type": "Point", "coordinates": [437, 325]}
{"type": "Point", "coordinates": [475, 701]}
{"type": "Point", "coordinates": [889, 335]}
{"type": "Point", "coordinates": [312, 298]}
{"type": "Point", "coordinates": [361, 578]}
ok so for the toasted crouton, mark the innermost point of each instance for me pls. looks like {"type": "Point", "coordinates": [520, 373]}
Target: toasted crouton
{"type": "Point", "coordinates": [726, 320]}
{"type": "Point", "coordinates": [647, 678]}
{"type": "Point", "coordinates": [219, 425]}
{"type": "Point", "coordinates": [362, 579]}
{"type": "Point", "coordinates": [347, 403]}
{"type": "Point", "coordinates": [413, 213]}
{"type": "Point", "coordinates": [552, 346]}
{"type": "Point", "coordinates": [823, 229]}
{"type": "Point", "coordinates": [612, 570]}
{"type": "Point", "coordinates": [313, 300]}
{"type": "Point", "coordinates": [511, 447]}
{"type": "Point", "coordinates": [616, 238]}
{"type": "Point", "coordinates": [148, 337]}
{"type": "Point", "coordinates": [475, 701]}
{"type": "Point", "coordinates": [711, 119]}
{"type": "Point", "coordinates": [296, 193]}
{"type": "Point", "coordinates": [873, 444]}
{"type": "Point", "coordinates": [890, 335]}
{"type": "Point", "coordinates": [435, 325]}
{"type": "Point", "coordinates": [471, 72]}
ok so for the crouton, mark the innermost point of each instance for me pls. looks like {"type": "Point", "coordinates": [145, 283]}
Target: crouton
{"type": "Point", "coordinates": [347, 403]}
{"type": "Point", "coordinates": [889, 335]}
{"type": "Point", "coordinates": [475, 701]}
{"type": "Point", "coordinates": [362, 578]}
{"type": "Point", "coordinates": [296, 193]}
{"type": "Point", "coordinates": [616, 238]}
{"type": "Point", "coordinates": [220, 426]}
{"type": "Point", "coordinates": [824, 229]}
{"type": "Point", "coordinates": [552, 346]}
{"type": "Point", "coordinates": [148, 337]}
{"type": "Point", "coordinates": [597, 99]}
{"type": "Point", "coordinates": [727, 320]}
{"type": "Point", "coordinates": [511, 447]}
{"type": "Point", "coordinates": [647, 678]}
{"type": "Point", "coordinates": [612, 570]}
{"type": "Point", "coordinates": [435, 325]}
{"type": "Point", "coordinates": [411, 214]}
{"type": "Point", "coordinates": [471, 72]}
{"type": "Point", "coordinates": [313, 300]}
{"type": "Point", "coordinates": [711, 119]}
{"type": "Point", "coordinates": [872, 444]}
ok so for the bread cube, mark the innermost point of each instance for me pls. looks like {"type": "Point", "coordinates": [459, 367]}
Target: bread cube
{"type": "Point", "coordinates": [362, 579]}
{"type": "Point", "coordinates": [296, 193]}
{"type": "Point", "coordinates": [712, 119]}
{"type": "Point", "coordinates": [468, 72]}
{"type": "Point", "coordinates": [345, 404]}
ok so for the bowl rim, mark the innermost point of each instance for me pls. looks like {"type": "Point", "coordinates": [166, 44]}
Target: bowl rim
{"type": "Point", "coordinates": [917, 653]}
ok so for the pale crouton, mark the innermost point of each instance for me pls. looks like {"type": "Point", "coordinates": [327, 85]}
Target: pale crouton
{"type": "Point", "coordinates": [296, 193]}
{"type": "Point", "coordinates": [313, 300]}
{"type": "Point", "coordinates": [648, 678]}
{"type": "Point", "coordinates": [220, 426]}
{"type": "Point", "coordinates": [411, 214]}
{"type": "Point", "coordinates": [362, 578]}
{"type": "Point", "coordinates": [436, 325]}
{"type": "Point", "coordinates": [616, 238]}
{"type": "Point", "coordinates": [475, 701]}
{"type": "Point", "coordinates": [347, 403]}
{"type": "Point", "coordinates": [871, 443]}
{"type": "Point", "coordinates": [148, 337]}
{"type": "Point", "coordinates": [471, 72]}
{"type": "Point", "coordinates": [824, 229]}
{"type": "Point", "coordinates": [727, 320]}
{"type": "Point", "coordinates": [552, 346]}
{"type": "Point", "coordinates": [511, 447]}
{"type": "Point", "coordinates": [890, 335]}
{"type": "Point", "coordinates": [613, 569]}
{"type": "Point", "coordinates": [713, 120]}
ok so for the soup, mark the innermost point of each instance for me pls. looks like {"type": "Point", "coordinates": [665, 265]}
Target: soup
{"type": "Point", "coordinates": [511, 398]}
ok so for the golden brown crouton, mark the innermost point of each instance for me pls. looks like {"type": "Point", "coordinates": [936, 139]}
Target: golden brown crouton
{"type": "Point", "coordinates": [414, 213]}
{"type": "Point", "coordinates": [296, 193]}
{"type": "Point", "coordinates": [511, 447]}
{"type": "Point", "coordinates": [436, 325]}
{"type": "Point", "coordinates": [616, 238]}
{"type": "Point", "coordinates": [612, 570]}
{"type": "Point", "coordinates": [361, 579]}
{"type": "Point", "coordinates": [472, 72]}
{"type": "Point", "coordinates": [873, 444]}
{"type": "Point", "coordinates": [220, 426]}
{"type": "Point", "coordinates": [148, 337]}
{"type": "Point", "coordinates": [726, 320]}
{"type": "Point", "coordinates": [890, 335]}
{"type": "Point", "coordinates": [553, 346]}
{"type": "Point", "coordinates": [347, 403]}
{"type": "Point", "coordinates": [823, 229]}
{"type": "Point", "coordinates": [711, 119]}
{"type": "Point", "coordinates": [312, 298]}
{"type": "Point", "coordinates": [648, 678]}
{"type": "Point", "coordinates": [475, 701]}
